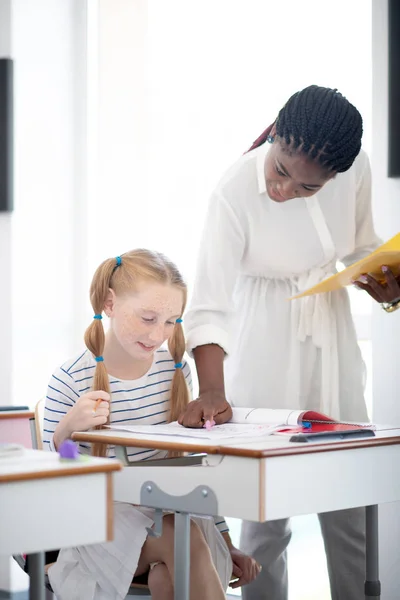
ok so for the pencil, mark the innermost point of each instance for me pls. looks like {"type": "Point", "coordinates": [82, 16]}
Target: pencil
{"type": "Point", "coordinates": [98, 402]}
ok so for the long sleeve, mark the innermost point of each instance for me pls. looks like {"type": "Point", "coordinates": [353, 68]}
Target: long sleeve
{"type": "Point", "coordinates": [208, 319]}
{"type": "Point", "coordinates": [62, 393]}
{"type": "Point", "coordinates": [366, 240]}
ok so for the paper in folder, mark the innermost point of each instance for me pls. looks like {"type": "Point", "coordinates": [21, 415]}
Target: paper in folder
{"type": "Point", "coordinates": [388, 254]}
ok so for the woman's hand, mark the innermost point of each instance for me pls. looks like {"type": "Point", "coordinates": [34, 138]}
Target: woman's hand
{"type": "Point", "coordinates": [209, 406]}
{"type": "Point", "coordinates": [83, 416]}
{"type": "Point", "coordinates": [387, 292]}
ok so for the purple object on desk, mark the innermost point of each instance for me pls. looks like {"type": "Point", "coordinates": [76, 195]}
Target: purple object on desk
{"type": "Point", "coordinates": [69, 450]}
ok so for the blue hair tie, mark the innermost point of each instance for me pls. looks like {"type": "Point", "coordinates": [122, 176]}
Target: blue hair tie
{"type": "Point", "coordinates": [178, 366]}
{"type": "Point", "coordinates": [119, 260]}
{"type": "Point", "coordinates": [98, 358]}
{"type": "Point", "coordinates": [97, 317]}
{"type": "Point", "coordinates": [179, 321]}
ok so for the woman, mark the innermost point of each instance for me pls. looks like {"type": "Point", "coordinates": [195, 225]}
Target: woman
{"type": "Point", "coordinates": [278, 222]}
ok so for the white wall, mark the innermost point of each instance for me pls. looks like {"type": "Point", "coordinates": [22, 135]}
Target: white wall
{"type": "Point", "coordinates": [12, 579]}
{"type": "Point", "coordinates": [121, 217]}
{"type": "Point", "coordinates": [5, 243]}
{"type": "Point", "coordinates": [48, 257]}
{"type": "Point", "coordinates": [385, 327]}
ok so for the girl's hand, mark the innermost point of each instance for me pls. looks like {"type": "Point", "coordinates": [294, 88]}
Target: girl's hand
{"type": "Point", "coordinates": [245, 568]}
{"type": "Point", "coordinates": [83, 416]}
{"type": "Point", "coordinates": [387, 292]}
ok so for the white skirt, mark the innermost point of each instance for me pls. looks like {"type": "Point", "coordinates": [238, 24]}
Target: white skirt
{"type": "Point", "coordinates": [105, 571]}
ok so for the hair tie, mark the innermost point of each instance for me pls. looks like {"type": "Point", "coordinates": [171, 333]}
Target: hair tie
{"type": "Point", "coordinates": [97, 317]}
{"type": "Point", "coordinates": [178, 366]}
{"type": "Point", "coordinates": [98, 358]}
{"type": "Point", "coordinates": [179, 321]}
{"type": "Point", "coordinates": [118, 260]}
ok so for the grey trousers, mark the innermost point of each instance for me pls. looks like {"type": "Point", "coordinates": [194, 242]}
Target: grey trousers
{"type": "Point", "coordinates": [344, 539]}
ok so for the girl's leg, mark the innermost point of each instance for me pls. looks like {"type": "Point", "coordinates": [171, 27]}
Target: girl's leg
{"type": "Point", "coordinates": [160, 583]}
{"type": "Point", "coordinates": [204, 580]}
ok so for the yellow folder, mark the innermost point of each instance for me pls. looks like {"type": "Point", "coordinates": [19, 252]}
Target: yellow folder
{"type": "Point", "coordinates": [388, 254]}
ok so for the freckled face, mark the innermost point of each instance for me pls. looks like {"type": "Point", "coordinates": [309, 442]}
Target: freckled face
{"type": "Point", "coordinates": [143, 321]}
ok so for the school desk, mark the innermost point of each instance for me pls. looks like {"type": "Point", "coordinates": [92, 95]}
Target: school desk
{"type": "Point", "coordinates": [259, 480]}
{"type": "Point", "coordinates": [17, 426]}
{"type": "Point", "coordinates": [47, 503]}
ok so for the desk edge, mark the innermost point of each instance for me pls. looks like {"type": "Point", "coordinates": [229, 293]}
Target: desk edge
{"type": "Point", "coordinates": [232, 451]}
{"type": "Point", "coordinates": [53, 473]}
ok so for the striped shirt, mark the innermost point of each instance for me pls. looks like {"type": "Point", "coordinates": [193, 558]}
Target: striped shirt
{"type": "Point", "coordinates": [143, 401]}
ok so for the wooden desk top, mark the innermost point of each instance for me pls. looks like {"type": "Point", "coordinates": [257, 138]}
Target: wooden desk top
{"type": "Point", "coordinates": [270, 446]}
{"type": "Point", "coordinates": [16, 414]}
{"type": "Point", "coordinates": [39, 464]}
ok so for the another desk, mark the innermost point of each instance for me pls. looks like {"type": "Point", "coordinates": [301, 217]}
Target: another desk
{"type": "Point", "coordinates": [260, 481]}
{"type": "Point", "coordinates": [48, 504]}
{"type": "Point", "coordinates": [17, 426]}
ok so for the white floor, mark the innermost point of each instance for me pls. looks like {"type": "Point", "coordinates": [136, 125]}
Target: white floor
{"type": "Point", "coordinates": [308, 577]}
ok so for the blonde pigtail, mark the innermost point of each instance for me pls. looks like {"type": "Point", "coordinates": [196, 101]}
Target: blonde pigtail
{"type": "Point", "coordinates": [95, 336]}
{"type": "Point", "coordinates": [179, 389]}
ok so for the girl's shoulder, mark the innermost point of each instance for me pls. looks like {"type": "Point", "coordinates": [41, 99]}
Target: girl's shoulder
{"type": "Point", "coordinates": [79, 366]}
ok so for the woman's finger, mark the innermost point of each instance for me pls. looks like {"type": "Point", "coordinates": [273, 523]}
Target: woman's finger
{"type": "Point", "coordinates": [362, 285]}
{"type": "Point", "coordinates": [378, 289]}
{"type": "Point", "coordinates": [393, 288]}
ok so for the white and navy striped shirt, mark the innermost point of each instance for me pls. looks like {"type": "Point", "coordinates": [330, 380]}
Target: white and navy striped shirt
{"type": "Point", "coordinates": [144, 401]}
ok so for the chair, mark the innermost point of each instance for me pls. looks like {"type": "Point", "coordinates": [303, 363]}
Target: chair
{"type": "Point", "coordinates": [39, 416]}
{"type": "Point", "coordinates": [139, 587]}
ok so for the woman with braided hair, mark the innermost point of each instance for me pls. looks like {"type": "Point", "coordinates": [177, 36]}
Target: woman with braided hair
{"type": "Point", "coordinates": [279, 220]}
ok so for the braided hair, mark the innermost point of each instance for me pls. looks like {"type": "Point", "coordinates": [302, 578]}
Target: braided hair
{"type": "Point", "coordinates": [322, 124]}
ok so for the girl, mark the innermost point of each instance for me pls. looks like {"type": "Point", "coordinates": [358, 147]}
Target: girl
{"type": "Point", "coordinates": [278, 222]}
{"type": "Point", "coordinates": [143, 295]}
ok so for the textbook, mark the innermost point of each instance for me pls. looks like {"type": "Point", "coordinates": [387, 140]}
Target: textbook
{"type": "Point", "coordinates": [250, 423]}
{"type": "Point", "coordinates": [386, 255]}
{"type": "Point", "coordinates": [291, 421]}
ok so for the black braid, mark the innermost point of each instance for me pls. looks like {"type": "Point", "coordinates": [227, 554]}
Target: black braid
{"type": "Point", "coordinates": [323, 124]}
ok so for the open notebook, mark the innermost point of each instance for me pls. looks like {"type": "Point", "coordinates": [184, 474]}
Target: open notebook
{"type": "Point", "coordinates": [386, 255]}
{"type": "Point", "coordinates": [250, 423]}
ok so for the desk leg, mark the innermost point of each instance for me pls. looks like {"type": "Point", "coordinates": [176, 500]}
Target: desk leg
{"type": "Point", "coordinates": [372, 583]}
{"type": "Point", "coordinates": [182, 556]}
{"type": "Point", "coordinates": [37, 590]}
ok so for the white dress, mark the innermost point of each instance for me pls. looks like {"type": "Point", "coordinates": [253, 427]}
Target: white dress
{"type": "Point", "coordinates": [255, 254]}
